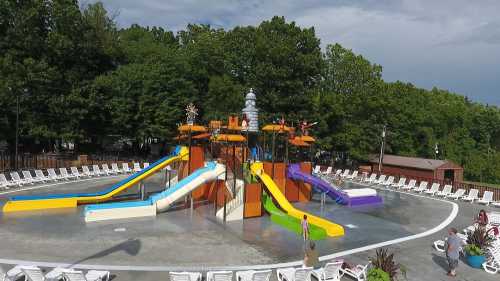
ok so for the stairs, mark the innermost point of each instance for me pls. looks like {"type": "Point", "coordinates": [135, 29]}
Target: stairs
{"type": "Point", "coordinates": [234, 208]}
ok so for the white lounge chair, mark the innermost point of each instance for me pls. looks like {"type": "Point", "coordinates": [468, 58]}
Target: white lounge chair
{"type": "Point", "coordinates": [52, 175]}
{"type": "Point", "coordinates": [33, 274]}
{"type": "Point", "coordinates": [359, 272]}
{"type": "Point", "coordinates": [185, 276]}
{"type": "Point", "coordinates": [492, 265]}
{"type": "Point", "coordinates": [16, 179]}
{"type": "Point", "coordinates": [371, 179]}
{"type": "Point", "coordinates": [328, 171]}
{"type": "Point", "coordinates": [380, 180]}
{"type": "Point", "coordinates": [294, 274]}
{"type": "Point", "coordinates": [473, 195]}
{"type": "Point", "coordinates": [87, 172]}
{"type": "Point", "coordinates": [459, 193]}
{"type": "Point", "coordinates": [338, 172]}
{"type": "Point", "coordinates": [125, 168]}
{"type": "Point", "coordinates": [389, 181]}
{"type": "Point", "coordinates": [331, 272]}
{"type": "Point", "coordinates": [145, 165]}
{"type": "Point", "coordinates": [316, 170]}
{"type": "Point", "coordinates": [253, 275]}
{"type": "Point", "coordinates": [41, 176]}
{"type": "Point", "coordinates": [353, 176]}
{"type": "Point", "coordinates": [4, 183]}
{"type": "Point", "coordinates": [17, 272]}
{"type": "Point", "coordinates": [445, 192]}
{"type": "Point", "coordinates": [434, 189]}
{"type": "Point", "coordinates": [400, 183]}
{"type": "Point", "coordinates": [219, 276]}
{"type": "Point", "coordinates": [345, 173]}
{"type": "Point", "coordinates": [75, 172]}
{"type": "Point", "coordinates": [440, 244]}
{"type": "Point", "coordinates": [422, 187]}
{"type": "Point", "coordinates": [92, 275]}
{"type": "Point", "coordinates": [410, 185]}
{"type": "Point", "coordinates": [114, 168]}
{"type": "Point", "coordinates": [65, 175]}
{"type": "Point", "coordinates": [28, 178]}
{"type": "Point", "coordinates": [96, 170]}
{"type": "Point", "coordinates": [487, 198]}
{"type": "Point", "coordinates": [106, 170]}
{"type": "Point", "coordinates": [137, 167]}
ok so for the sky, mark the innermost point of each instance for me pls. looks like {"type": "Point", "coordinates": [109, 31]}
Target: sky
{"type": "Point", "coordinates": [449, 44]}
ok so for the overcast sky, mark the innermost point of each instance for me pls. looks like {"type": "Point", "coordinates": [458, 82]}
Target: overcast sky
{"type": "Point", "coordinates": [450, 44]}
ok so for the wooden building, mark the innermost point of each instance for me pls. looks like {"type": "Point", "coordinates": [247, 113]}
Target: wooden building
{"type": "Point", "coordinates": [444, 170]}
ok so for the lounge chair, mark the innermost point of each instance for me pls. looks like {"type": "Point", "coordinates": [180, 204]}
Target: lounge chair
{"type": "Point", "coordinates": [294, 274]}
{"type": "Point", "coordinates": [125, 168]}
{"type": "Point", "coordinates": [496, 204]}
{"type": "Point", "coordinates": [219, 276]}
{"type": "Point", "coordinates": [75, 172]}
{"type": "Point", "coordinates": [389, 181]}
{"type": "Point", "coordinates": [96, 170]}
{"type": "Point", "coordinates": [64, 173]}
{"type": "Point", "coordinates": [316, 170]}
{"type": "Point", "coordinates": [4, 183]}
{"type": "Point", "coordinates": [380, 180]}
{"type": "Point", "coordinates": [331, 272]}
{"type": "Point", "coordinates": [459, 193]}
{"type": "Point", "coordinates": [337, 173]}
{"type": "Point", "coordinates": [328, 171]}
{"type": "Point", "coordinates": [371, 179]}
{"type": "Point", "coordinates": [410, 185]}
{"type": "Point", "coordinates": [353, 176]}
{"type": "Point", "coordinates": [106, 170]}
{"type": "Point", "coordinates": [345, 174]}
{"type": "Point", "coordinates": [52, 175]}
{"type": "Point", "coordinates": [114, 168]}
{"type": "Point", "coordinates": [473, 195]}
{"type": "Point", "coordinates": [434, 189]}
{"type": "Point", "coordinates": [137, 167]}
{"type": "Point", "coordinates": [445, 192]}
{"type": "Point", "coordinates": [422, 187]}
{"type": "Point", "coordinates": [28, 178]}
{"type": "Point", "coordinates": [145, 165]}
{"type": "Point", "coordinates": [359, 272]}
{"type": "Point", "coordinates": [492, 265]}
{"type": "Point", "coordinates": [16, 272]}
{"type": "Point", "coordinates": [16, 179]}
{"type": "Point", "coordinates": [440, 244]}
{"type": "Point", "coordinates": [87, 172]}
{"type": "Point", "coordinates": [92, 275]}
{"type": "Point", "coordinates": [400, 183]}
{"type": "Point", "coordinates": [185, 276]}
{"type": "Point", "coordinates": [487, 198]}
{"type": "Point", "coordinates": [253, 275]}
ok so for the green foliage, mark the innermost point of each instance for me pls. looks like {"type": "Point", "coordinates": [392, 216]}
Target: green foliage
{"type": "Point", "coordinates": [385, 262]}
{"type": "Point", "coordinates": [377, 274]}
{"type": "Point", "coordinates": [478, 241]}
{"type": "Point", "coordinates": [473, 250]}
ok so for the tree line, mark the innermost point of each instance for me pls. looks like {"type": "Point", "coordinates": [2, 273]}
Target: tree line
{"type": "Point", "coordinates": [81, 79]}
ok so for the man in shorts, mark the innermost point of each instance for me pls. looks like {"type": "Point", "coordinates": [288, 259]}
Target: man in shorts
{"type": "Point", "coordinates": [453, 245]}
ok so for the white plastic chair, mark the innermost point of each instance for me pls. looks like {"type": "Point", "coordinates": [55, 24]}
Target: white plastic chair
{"type": "Point", "coordinates": [145, 165]}
{"type": "Point", "coordinates": [52, 175]}
{"type": "Point", "coordinates": [434, 188]}
{"type": "Point", "coordinates": [253, 275]}
{"type": "Point", "coordinates": [492, 265]}
{"type": "Point", "coordinates": [75, 172]}
{"type": "Point", "coordinates": [96, 170]}
{"type": "Point", "coordinates": [185, 276]}
{"type": "Point", "coordinates": [331, 272]}
{"type": "Point", "coordinates": [410, 185]}
{"type": "Point", "coordinates": [358, 272]}
{"type": "Point", "coordinates": [17, 272]}
{"type": "Point", "coordinates": [445, 192]}
{"type": "Point", "coordinates": [4, 183]}
{"type": "Point", "coordinates": [316, 170]}
{"type": "Point", "coordinates": [106, 170]}
{"type": "Point", "coordinates": [353, 176]}
{"type": "Point", "coordinates": [487, 198]}
{"type": "Point", "coordinates": [400, 183]}
{"type": "Point", "coordinates": [65, 175]}
{"type": "Point", "coordinates": [87, 172]}
{"type": "Point", "coordinates": [125, 168]}
{"type": "Point", "coordinates": [473, 195]}
{"type": "Point", "coordinates": [219, 276]}
{"type": "Point", "coordinates": [371, 179]}
{"type": "Point", "coordinates": [459, 193]}
{"type": "Point", "coordinates": [389, 181]}
{"type": "Point", "coordinates": [16, 179]}
{"type": "Point", "coordinates": [137, 167]}
{"type": "Point", "coordinates": [92, 275]}
{"type": "Point", "coordinates": [380, 180]}
{"type": "Point", "coordinates": [294, 274]}
{"type": "Point", "coordinates": [345, 174]}
{"type": "Point", "coordinates": [422, 187]}
{"type": "Point", "coordinates": [28, 178]}
{"type": "Point", "coordinates": [114, 168]}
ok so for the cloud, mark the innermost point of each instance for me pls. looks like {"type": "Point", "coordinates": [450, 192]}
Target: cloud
{"type": "Point", "coordinates": [452, 44]}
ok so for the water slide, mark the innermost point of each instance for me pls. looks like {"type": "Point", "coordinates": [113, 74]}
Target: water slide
{"type": "Point", "coordinates": [52, 201]}
{"type": "Point", "coordinates": [349, 197]}
{"type": "Point", "coordinates": [331, 229]}
{"type": "Point", "coordinates": [158, 202]}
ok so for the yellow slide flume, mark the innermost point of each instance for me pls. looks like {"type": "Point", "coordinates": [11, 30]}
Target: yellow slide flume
{"type": "Point", "coordinates": [332, 229]}
{"type": "Point", "coordinates": [71, 202]}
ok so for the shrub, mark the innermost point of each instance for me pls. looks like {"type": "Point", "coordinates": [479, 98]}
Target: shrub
{"type": "Point", "coordinates": [377, 274]}
{"type": "Point", "coordinates": [478, 241]}
{"type": "Point", "coordinates": [473, 250]}
{"type": "Point", "coordinates": [385, 262]}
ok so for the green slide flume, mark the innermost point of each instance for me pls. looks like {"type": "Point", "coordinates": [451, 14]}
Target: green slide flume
{"type": "Point", "coordinates": [289, 222]}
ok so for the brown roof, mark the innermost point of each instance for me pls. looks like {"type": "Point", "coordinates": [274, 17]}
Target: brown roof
{"type": "Point", "coordinates": [414, 162]}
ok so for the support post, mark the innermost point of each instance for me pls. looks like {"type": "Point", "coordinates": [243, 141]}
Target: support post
{"type": "Point", "coordinates": [142, 190]}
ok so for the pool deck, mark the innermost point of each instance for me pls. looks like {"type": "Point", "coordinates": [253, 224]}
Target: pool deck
{"type": "Point", "coordinates": [143, 249]}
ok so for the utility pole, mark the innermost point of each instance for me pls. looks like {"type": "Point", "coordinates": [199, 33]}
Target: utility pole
{"type": "Point", "coordinates": [436, 151]}
{"type": "Point", "coordinates": [382, 149]}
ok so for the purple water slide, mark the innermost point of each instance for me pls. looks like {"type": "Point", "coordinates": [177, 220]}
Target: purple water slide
{"type": "Point", "coordinates": [341, 197]}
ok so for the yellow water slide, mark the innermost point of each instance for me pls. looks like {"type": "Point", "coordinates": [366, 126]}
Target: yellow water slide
{"type": "Point", "coordinates": [31, 203]}
{"type": "Point", "coordinates": [332, 229]}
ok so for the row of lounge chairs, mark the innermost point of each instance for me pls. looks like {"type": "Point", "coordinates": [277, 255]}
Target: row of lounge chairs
{"type": "Point", "coordinates": [73, 174]}
{"type": "Point", "coordinates": [34, 273]}
{"type": "Point", "coordinates": [423, 187]}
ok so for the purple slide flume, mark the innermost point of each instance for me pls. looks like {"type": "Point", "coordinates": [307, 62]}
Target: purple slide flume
{"type": "Point", "coordinates": [340, 196]}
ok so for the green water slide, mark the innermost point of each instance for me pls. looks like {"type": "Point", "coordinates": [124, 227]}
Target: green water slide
{"type": "Point", "coordinates": [289, 222]}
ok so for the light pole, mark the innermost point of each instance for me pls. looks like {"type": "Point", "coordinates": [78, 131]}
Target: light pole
{"type": "Point", "coordinates": [382, 149]}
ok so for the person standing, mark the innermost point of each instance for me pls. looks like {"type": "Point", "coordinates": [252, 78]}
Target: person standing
{"type": "Point", "coordinates": [305, 229]}
{"type": "Point", "coordinates": [453, 244]}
